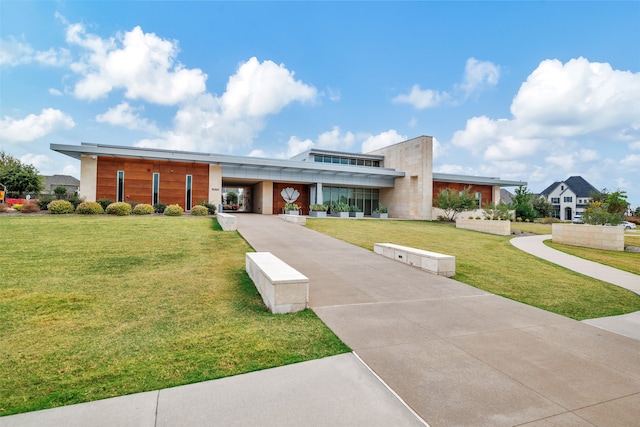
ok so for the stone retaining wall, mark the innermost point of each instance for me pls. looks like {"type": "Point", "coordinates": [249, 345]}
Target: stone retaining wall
{"type": "Point", "coordinates": [499, 227]}
{"type": "Point", "coordinates": [591, 236]}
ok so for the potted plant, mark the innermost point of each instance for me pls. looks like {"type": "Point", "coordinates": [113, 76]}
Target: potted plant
{"type": "Point", "coordinates": [318, 210]}
{"type": "Point", "coordinates": [380, 212]}
{"type": "Point", "coordinates": [292, 209]}
{"type": "Point", "coordinates": [340, 210]}
{"type": "Point", "coordinates": [355, 212]}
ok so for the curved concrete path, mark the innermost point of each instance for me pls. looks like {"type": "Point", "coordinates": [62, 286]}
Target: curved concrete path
{"type": "Point", "coordinates": [627, 324]}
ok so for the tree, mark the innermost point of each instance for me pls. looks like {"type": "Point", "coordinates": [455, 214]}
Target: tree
{"type": "Point", "coordinates": [617, 202]}
{"type": "Point", "coordinates": [19, 178]}
{"type": "Point", "coordinates": [452, 202]}
{"type": "Point", "coordinates": [522, 204]}
{"type": "Point", "coordinates": [598, 214]}
{"type": "Point", "coordinates": [60, 191]}
{"type": "Point", "coordinates": [542, 206]}
{"type": "Point", "coordinates": [232, 198]}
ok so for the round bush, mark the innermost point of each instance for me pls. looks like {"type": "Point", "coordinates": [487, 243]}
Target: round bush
{"type": "Point", "coordinates": [173, 210]}
{"type": "Point", "coordinates": [159, 207]}
{"type": "Point", "coordinates": [143, 209]}
{"type": "Point", "coordinates": [59, 207]}
{"type": "Point", "coordinates": [104, 203]}
{"type": "Point", "coordinates": [30, 208]}
{"type": "Point", "coordinates": [199, 211]}
{"type": "Point", "coordinates": [17, 206]}
{"type": "Point", "coordinates": [89, 208]}
{"type": "Point", "coordinates": [120, 209]}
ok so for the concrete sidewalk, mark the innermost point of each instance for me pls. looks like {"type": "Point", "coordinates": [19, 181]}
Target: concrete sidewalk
{"type": "Point", "coordinates": [458, 356]}
{"type": "Point", "coordinates": [628, 324]}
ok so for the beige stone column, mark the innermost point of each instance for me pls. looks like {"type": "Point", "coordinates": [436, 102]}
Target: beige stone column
{"type": "Point", "coordinates": [263, 198]}
{"type": "Point", "coordinates": [215, 184]}
{"type": "Point", "coordinates": [88, 177]}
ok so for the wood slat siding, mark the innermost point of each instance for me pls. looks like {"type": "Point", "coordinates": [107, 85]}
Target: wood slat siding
{"type": "Point", "coordinates": [485, 190]}
{"type": "Point", "coordinates": [278, 201]}
{"type": "Point", "coordinates": [138, 180]}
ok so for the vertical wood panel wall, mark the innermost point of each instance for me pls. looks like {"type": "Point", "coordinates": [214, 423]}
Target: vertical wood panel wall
{"type": "Point", "coordinates": [138, 180]}
{"type": "Point", "coordinates": [278, 201]}
{"type": "Point", "coordinates": [486, 191]}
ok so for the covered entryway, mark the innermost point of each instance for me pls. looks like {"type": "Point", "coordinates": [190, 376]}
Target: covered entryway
{"type": "Point", "coordinates": [568, 214]}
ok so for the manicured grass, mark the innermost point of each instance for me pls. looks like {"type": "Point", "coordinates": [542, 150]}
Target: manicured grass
{"type": "Point", "coordinates": [95, 307]}
{"type": "Point", "coordinates": [627, 261]}
{"type": "Point", "coordinates": [491, 263]}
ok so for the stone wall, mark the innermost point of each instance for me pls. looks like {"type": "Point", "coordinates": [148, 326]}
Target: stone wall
{"type": "Point", "coordinates": [501, 228]}
{"type": "Point", "coordinates": [591, 236]}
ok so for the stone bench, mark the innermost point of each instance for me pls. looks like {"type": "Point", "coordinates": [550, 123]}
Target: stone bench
{"type": "Point", "coordinates": [283, 288]}
{"type": "Point", "coordinates": [296, 219]}
{"type": "Point", "coordinates": [227, 222]}
{"type": "Point", "coordinates": [440, 264]}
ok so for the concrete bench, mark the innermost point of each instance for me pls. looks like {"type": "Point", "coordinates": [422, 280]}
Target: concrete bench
{"type": "Point", "coordinates": [440, 264]}
{"type": "Point", "coordinates": [227, 222]}
{"type": "Point", "coordinates": [296, 219]}
{"type": "Point", "coordinates": [283, 288]}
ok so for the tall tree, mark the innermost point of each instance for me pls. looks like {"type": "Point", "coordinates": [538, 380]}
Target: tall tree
{"type": "Point", "coordinates": [18, 177]}
{"type": "Point", "coordinates": [452, 202]}
{"type": "Point", "coordinates": [522, 204]}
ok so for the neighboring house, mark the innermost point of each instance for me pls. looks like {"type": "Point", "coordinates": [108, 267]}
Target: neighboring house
{"type": "Point", "coordinates": [569, 198]}
{"type": "Point", "coordinates": [505, 196]}
{"type": "Point", "coordinates": [399, 176]}
{"type": "Point", "coordinates": [70, 183]}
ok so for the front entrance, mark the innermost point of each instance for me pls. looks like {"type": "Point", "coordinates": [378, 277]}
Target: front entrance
{"type": "Point", "coordinates": [236, 199]}
{"type": "Point", "coordinates": [568, 214]}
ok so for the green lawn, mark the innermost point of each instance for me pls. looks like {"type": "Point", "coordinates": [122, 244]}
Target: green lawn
{"type": "Point", "coordinates": [491, 263]}
{"type": "Point", "coordinates": [94, 307]}
{"type": "Point", "coordinates": [627, 261]}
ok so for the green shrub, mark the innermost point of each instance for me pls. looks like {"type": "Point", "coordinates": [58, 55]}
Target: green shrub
{"type": "Point", "coordinates": [44, 201]}
{"type": "Point", "coordinates": [381, 209]}
{"type": "Point", "coordinates": [291, 207]}
{"type": "Point", "coordinates": [549, 220]}
{"type": "Point", "coordinates": [75, 201]}
{"type": "Point", "coordinates": [199, 210]}
{"type": "Point", "coordinates": [159, 207]}
{"type": "Point", "coordinates": [211, 208]}
{"type": "Point", "coordinates": [104, 203]}
{"type": "Point", "coordinates": [17, 207]}
{"type": "Point", "coordinates": [89, 208]}
{"type": "Point", "coordinates": [120, 209]}
{"type": "Point", "coordinates": [318, 207]}
{"type": "Point", "coordinates": [143, 209]}
{"type": "Point", "coordinates": [173, 210]}
{"type": "Point", "coordinates": [59, 207]}
{"type": "Point", "coordinates": [30, 208]}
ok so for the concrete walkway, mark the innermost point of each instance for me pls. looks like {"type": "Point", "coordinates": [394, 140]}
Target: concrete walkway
{"type": "Point", "coordinates": [628, 324]}
{"type": "Point", "coordinates": [456, 355]}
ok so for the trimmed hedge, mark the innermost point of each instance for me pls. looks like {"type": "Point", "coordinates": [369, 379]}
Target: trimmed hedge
{"type": "Point", "coordinates": [173, 210]}
{"type": "Point", "coordinates": [143, 209]}
{"type": "Point", "coordinates": [89, 208]}
{"type": "Point", "coordinates": [120, 209]}
{"type": "Point", "coordinates": [60, 207]}
{"type": "Point", "coordinates": [199, 211]}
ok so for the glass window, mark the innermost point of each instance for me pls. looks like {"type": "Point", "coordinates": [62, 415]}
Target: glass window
{"type": "Point", "coordinates": [568, 199]}
{"type": "Point", "coordinates": [317, 158]}
{"type": "Point", "coordinates": [555, 200]}
{"type": "Point", "coordinates": [360, 162]}
{"type": "Point", "coordinates": [368, 163]}
{"type": "Point", "coordinates": [478, 199]}
{"type": "Point", "coordinates": [327, 159]}
{"type": "Point", "coordinates": [120, 187]}
{"type": "Point", "coordinates": [188, 193]}
{"type": "Point", "coordinates": [352, 161]}
{"type": "Point", "coordinates": [155, 192]}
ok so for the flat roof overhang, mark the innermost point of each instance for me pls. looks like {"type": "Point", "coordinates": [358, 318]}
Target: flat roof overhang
{"type": "Point", "coordinates": [477, 180]}
{"type": "Point", "coordinates": [250, 168]}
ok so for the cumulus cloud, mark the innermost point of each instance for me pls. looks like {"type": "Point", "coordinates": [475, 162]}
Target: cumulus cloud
{"type": "Point", "coordinates": [34, 126]}
{"type": "Point", "coordinates": [557, 103]}
{"type": "Point", "coordinates": [335, 139]}
{"type": "Point", "coordinates": [478, 75]}
{"type": "Point", "coordinates": [142, 64]}
{"type": "Point", "coordinates": [383, 139]}
{"type": "Point", "coordinates": [127, 116]}
{"type": "Point", "coordinates": [14, 52]}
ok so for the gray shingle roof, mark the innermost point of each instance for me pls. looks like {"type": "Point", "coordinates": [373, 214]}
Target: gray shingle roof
{"type": "Point", "coordinates": [577, 184]}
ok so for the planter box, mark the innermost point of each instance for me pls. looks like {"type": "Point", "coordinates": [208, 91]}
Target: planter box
{"type": "Point", "coordinates": [380, 215]}
{"type": "Point", "coordinates": [292, 212]}
{"type": "Point", "coordinates": [590, 236]}
{"type": "Point", "coordinates": [340, 214]}
{"type": "Point", "coordinates": [499, 227]}
{"type": "Point", "coordinates": [356, 214]}
{"type": "Point", "coordinates": [318, 214]}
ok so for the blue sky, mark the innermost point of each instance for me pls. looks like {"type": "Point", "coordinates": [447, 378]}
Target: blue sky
{"type": "Point", "coordinates": [532, 91]}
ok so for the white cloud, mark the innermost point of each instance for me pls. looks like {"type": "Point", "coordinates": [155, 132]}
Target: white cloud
{"type": "Point", "coordinates": [14, 52]}
{"type": "Point", "coordinates": [335, 140]}
{"type": "Point", "coordinates": [478, 75]}
{"type": "Point", "coordinates": [127, 116]}
{"type": "Point", "coordinates": [334, 94]}
{"type": "Point", "coordinates": [383, 139]}
{"type": "Point", "coordinates": [39, 161]}
{"type": "Point", "coordinates": [557, 102]}
{"type": "Point", "coordinates": [296, 146]}
{"type": "Point", "coordinates": [422, 99]}
{"type": "Point", "coordinates": [54, 92]}
{"type": "Point", "coordinates": [142, 64]}
{"type": "Point", "coordinates": [631, 163]}
{"type": "Point", "coordinates": [34, 126]}
{"type": "Point", "coordinates": [634, 145]}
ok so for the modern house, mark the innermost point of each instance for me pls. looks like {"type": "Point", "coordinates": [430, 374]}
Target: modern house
{"type": "Point", "coordinates": [569, 198]}
{"type": "Point", "coordinates": [399, 176]}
